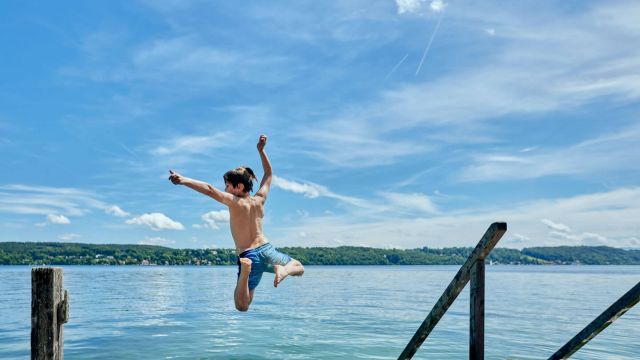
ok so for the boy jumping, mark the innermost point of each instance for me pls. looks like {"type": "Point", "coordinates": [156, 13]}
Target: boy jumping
{"type": "Point", "coordinates": [256, 254]}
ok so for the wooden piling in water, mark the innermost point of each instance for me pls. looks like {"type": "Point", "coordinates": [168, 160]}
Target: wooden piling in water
{"type": "Point", "coordinates": [49, 311]}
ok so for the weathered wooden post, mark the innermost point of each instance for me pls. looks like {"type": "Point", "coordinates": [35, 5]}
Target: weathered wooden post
{"type": "Point", "coordinates": [476, 326]}
{"type": "Point", "coordinates": [49, 311]}
{"type": "Point", "coordinates": [473, 263]}
{"type": "Point", "coordinates": [613, 312]}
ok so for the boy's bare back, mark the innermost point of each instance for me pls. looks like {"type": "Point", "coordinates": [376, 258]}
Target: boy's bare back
{"type": "Point", "coordinates": [246, 215]}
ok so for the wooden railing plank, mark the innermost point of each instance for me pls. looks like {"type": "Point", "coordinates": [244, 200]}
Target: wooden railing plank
{"type": "Point", "coordinates": [484, 247]}
{"type": "Point", "coordinates": [617, 309]}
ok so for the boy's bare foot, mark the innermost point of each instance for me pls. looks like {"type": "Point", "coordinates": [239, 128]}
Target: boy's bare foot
{"type": "Point", "coordinates": [281, 273]}
{"type": "Point", "coordinates": [245, 266]}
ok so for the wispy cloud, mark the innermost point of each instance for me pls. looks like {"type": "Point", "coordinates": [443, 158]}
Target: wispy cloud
{"type": "Point", "coordinates": [58, 219]}
{"type": "Point", "coordinates": [156, 221]}
{"type": "Point", "coordinates": [185, 61]}
{"type": "Point", "coordinates": [603, 153]}
{"type": "Point", "coordinates": [415, 203]}
{"type": "Point", "coordinates": [156, 240]}
{"type": "Point", "coordinates": [213, 219]}
{"type": "Point", "coordinates": [44, 200]}
{"type": "Point", "coordinates": [621, 208]}
{"type": "Point", "coordinates": [116, 211]}
{"type": "Point", "coordinates": [437, 5]}
{"type": "Point", "coordinates": [408, 6]}
{"type": "Point", "coordinates": [575, 60]}
{"type": "Point", "coordinates": [386, 202]}
{"type": "Point", "coordinates": [54, 219]}
{"type": "Point", "coordinates": [309, 190]}
{"type": "Point", "coordinates": [193, 144]}
{"type": "Point", "coordinates": [414, 6]}
{"type": "Point", "coordinates": [556, 226]}
{"type": "Point", "coordinates": [349, 142]}
{"type": "Point", "coordinates": [68, 236]}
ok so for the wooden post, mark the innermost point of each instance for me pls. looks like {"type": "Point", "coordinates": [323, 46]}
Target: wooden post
{"type": "Point", "coordinates": [484, 247]}
{"type": "Point", "coordinates": [49, 310]}
{"type": "Point", "coordinates": [617, 309]}
{"type": "Point", "coordinates": [476, 327]}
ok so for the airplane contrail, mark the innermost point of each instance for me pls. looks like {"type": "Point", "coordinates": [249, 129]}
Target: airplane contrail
{"type": "Point", "coordinates": [426, 50]}
{"type": "Point", "coordinates": [395, 67]}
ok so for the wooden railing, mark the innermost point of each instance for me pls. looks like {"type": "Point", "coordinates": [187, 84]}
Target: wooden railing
{"type": "Point", "coordinates": [617, 309]}
{"type": "Point", "coordinates": [472, 269]}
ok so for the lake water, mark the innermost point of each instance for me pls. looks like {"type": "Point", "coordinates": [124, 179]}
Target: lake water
{"type": "Point", "coordinates": [332, 312]}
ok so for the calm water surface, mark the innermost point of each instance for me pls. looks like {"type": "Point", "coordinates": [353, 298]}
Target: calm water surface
{"type": "Point", "coordinates": [342, 312]}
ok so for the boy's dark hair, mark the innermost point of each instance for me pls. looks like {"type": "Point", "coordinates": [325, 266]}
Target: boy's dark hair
{"type": "Point", "coordinates": [242, 175]}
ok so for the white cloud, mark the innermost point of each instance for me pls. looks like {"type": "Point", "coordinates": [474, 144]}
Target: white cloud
{"type": "Point", "coordinates": [408, 6]}
{"type": "Point", "coordinates": [160, 241]}
{"type": "Point", "coordinates": [578, 239]}
{"type": "Point", "coordinates": [603, 218]}
{"type": "Point", "coordinates": [68, 236]}
{"type": "Point", "coordinates": [414, 6]}
{"type": "Point", "coordinates": [116, 211]}
{"type": "Point", "coordinates": [42, 200]}
{"type": "Point", "coordinates": [187, 63]}
{"type": "Point", "coordinates": [606, 152]}
{"type": "Point", "coordinates": [389, 202]}
{"type": "Point", "coordinates": [193, 144]}
{"type": "Point", "coordinates": [491, 32]}
{"type": "Point", "coordinates": [156, 221]}
{"type": "Point", "coordinates": [213, 218]}
{"type": "Point", "coordinates": [563, 232]}
{"type": "Point", "coordinates": [411, 202]}
{"type": "Point", "coordinates": [556, 226]}
{"type": "Point", "coordinates": [575, 59]}
{"type": "Point", "coordinates": [58, 219]}
{"type": "Point", "coordinates": [347, 142]}
{"type": "Point", "coordinates": [517, 238]}
{"type": "Point", "coordinates": [312, 191]}
{"type": "Point", "coordinates": [437, 5]}
{"type": "Point", "coordinates": [309, 190]}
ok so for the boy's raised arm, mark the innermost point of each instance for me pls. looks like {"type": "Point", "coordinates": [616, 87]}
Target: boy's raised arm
{"type": "Point", "coordinates": [201, 187]}
{"type": "Point", "coordinates": [265, 184]}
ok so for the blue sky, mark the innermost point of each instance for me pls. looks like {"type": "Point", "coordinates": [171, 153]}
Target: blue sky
{"type": "Point", "coordinates": [401, 123]}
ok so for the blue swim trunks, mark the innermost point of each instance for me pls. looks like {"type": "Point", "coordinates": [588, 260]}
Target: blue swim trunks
{"type": "Point", "coordinates": [262, 259]}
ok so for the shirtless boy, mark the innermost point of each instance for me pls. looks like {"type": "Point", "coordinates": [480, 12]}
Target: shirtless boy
{"type": "Point", "coordinates": [256, 254]}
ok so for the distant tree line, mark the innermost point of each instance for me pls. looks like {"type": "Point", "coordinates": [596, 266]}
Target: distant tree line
{"type": "Point", "coordinates": [30, 253]}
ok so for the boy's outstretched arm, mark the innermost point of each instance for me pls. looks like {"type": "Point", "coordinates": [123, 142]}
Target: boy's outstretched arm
{"type": "Point", "coordinates": [265, 184]}
{"type": "Point", "coordinates": [201, 187]}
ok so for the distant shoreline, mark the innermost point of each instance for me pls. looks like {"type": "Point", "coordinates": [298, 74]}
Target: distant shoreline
{"type": "Point", "coordinates": [56, 253]}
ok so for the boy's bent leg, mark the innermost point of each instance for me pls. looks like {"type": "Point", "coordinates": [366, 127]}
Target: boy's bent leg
{"type": "Point", "coordinates": [242, 294]}
{"type": "Point", "coordinates": [293, 268]}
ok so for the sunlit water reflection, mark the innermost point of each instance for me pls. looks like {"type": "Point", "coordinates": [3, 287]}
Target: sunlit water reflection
{"type": "Point", "coordinates": [350, 312]}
